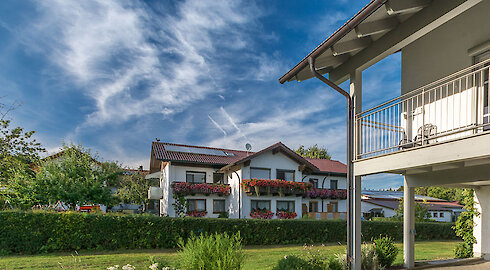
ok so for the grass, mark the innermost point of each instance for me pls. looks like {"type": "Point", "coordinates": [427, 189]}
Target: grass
{"type": "Point", "coordinates": [257, 257]}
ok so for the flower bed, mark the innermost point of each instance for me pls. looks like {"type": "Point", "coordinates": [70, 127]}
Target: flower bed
{"type": "Point", "coordinates": [286, 215]}
{"type": "Point", "coordinates": [184, 188]}
{"type": "Point", "coordinates": [324, 193]}
{"type": "Point", "coordinates": [263, 214]}
{"type": "Point", "coordinates": [196, 213]}
{"type": "Point", "coordinates": [268, 186]}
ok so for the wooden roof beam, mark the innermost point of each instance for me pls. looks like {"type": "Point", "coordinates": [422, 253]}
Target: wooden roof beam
{"type": "Point", "coordinates": [376, 27]}
{"type": "Point", "coordinates": [404, 6]}
{"type": "Point", "coordinates": [350, 46]}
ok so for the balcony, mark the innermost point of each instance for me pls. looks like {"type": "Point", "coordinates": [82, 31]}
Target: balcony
{"type": "Point", "coordinates": [184, 189]}
{"type": "Point", "coordinates": [257, 187]}
{"type": "Point", "coordinates": [446, 110]}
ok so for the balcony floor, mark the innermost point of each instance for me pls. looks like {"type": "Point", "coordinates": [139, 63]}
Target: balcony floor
{"type": "Point", "coordinates": [456, 161]}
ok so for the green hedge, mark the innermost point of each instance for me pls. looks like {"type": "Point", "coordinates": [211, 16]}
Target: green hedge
{"type": "Point", "coordinates": [34, 232]}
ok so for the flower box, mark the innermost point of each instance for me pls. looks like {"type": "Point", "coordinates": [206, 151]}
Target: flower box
{"type": "Point", "coordinates": [323, 193]}
{"type": "Point", "coordinates": [274, 187]}
{"type": "Point", "coordinates": [184, 188]}
{"type": "Point", "coordinates": [196, 213]}
{"type": "Point", "coordinates": [286, 215]}
{"type": "Point", "coordinates": [261, 214]}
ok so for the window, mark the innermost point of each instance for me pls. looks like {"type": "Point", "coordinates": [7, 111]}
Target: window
{"type": "Point", "coordinates": [314, 182]}
{"type": "Point", "coordinates": [435, 214]}
{"type": "Point", "coordinates": [260, 173]}
{"type": "Point", "coordinates": [195, 177]}
{"type": "Point", "coordinates": [313, 206]}
{"type": "Point", "coordinates": [285, 206]}
{"type": "Point", "coordinates": [333, 207]}
{"type": "Point", "coordinates": [260, 205]}
{"type": "Point", "coordinates": [218, 178]}
{"type": "Point", "coordinates": [218, 206]}
{"type": "Point", "coordinates": [441, 215]}
{"type": "Point", "coordinates": [287, 175]}
{"type": "Point", "coordinates": [196, 205]}
{"type": "Point", "coordinates": [334, 184]}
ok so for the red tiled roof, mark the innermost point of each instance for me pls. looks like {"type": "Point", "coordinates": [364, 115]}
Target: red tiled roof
{"type": "Point", "coordinates": [327, 165]}
{"type": "Point", "coordinates": [158, 149]}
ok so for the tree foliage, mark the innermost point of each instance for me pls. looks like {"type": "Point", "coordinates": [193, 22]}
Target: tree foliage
{"type": "Point", "coordinates": [134, 189]}
{"type": "Point", "coordinates": [76, 178]}
{"type": "Point", "coordinates": [313, 152]}
{"type": "Point", "coordinates": [448, 194]}
{"type": "Point", "coordinates": [18, 152]}
{"type": "Point", "coordinates": [464, 226]}
{"type": "Point", "coordinates": [421, 211]}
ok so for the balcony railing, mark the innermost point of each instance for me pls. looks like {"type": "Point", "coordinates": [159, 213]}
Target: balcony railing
{"type": "Point", "coordinates": [184, 188]}
{"type": "Point", "coordinates": [453, 107]}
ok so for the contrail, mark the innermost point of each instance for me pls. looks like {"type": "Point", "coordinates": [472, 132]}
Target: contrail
{"type": "Point", "coordinates": [233, 123]}
{"type": "Point", "coordinates": [217, 125]}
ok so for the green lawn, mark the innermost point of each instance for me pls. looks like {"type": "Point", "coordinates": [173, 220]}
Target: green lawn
{"type": "Point", "coordinates": [257, 257]}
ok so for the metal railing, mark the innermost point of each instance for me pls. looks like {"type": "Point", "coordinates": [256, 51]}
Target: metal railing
{"type": "Point", "coordinates": [452, 107]}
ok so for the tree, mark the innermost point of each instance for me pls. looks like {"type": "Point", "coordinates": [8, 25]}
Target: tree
{"type": "Point", "coordinates": [313, 152]}
{"type": "Point", "coordinates": [134, 189]}
{"type": "Point", "coordinates": [76, 178]}
{"type": "Point", "coordinates": [18, 152]}
{"type": "Point", "coordinates": [448, 194]}
{"type": "Point", "coordinates": [464, 226]}
{"type": "Point", "coordinates": [421, 211]}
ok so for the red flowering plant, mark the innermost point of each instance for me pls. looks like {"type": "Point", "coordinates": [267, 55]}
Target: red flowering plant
{"type": "Point", "coordinates": [261, 213]}
{"type": "Point", "coordinates": [284, 185]}
{"type": "Point", "coordinates": [324, 193]}
{"type": "Point", "coordinates": [196, 213]}
{"type": "Point", "coordinates": [184, 188]}
{"type": "Point", "coordinates": [286, 215]}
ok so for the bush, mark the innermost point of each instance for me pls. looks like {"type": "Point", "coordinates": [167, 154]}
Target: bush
{"type": "Point", "coordinates": [311, 259]}
{"type": "Point", "coordinates": [369, 258]}
{"type": "Point", "coordinates": [291, 262]}
{"type": "Point", "coordinates": [218, 251]}
{"type": "Point", "coordinates": [35, 232]}
{"type": "Point", "coordinates": [385, 250]}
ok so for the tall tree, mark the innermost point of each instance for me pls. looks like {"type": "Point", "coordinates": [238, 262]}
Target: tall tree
{"type": "Point", "coordinates": [133, 188]}
{"type": "Point", "coordinates": [313, 152]}
{"type": "Point", "coordinates": [76, 178]}
{"type": "Point", "coordinates": [421, 211]}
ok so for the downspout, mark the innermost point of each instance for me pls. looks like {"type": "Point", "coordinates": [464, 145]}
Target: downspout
{"type": "Point", "coordinates": [239, 196]}
{"type": "Point", "coordinates": [350, 152]}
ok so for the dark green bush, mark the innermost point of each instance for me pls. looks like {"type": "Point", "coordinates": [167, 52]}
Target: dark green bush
{"type": "Point", "coordinates": [35, 232]}
{"type": "Point", "coordinates": [291, 262]}
{"type": "Point", "coordinates": [386, 250]}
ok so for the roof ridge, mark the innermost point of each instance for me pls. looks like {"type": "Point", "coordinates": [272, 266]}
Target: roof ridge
{"type": "Point", "coordinates": [203, 147]}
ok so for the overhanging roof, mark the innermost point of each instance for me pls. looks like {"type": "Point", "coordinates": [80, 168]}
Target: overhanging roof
{"type": "Point", "coordinates": [378, 21]}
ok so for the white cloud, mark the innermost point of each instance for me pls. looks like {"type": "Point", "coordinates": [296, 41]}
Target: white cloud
{"type": "Point", "coordinates": [133, 62]}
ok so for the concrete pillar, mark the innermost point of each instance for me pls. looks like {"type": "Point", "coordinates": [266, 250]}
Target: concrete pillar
{"type": "Point", "coordinates": [408, 225]}
{"type": "Point", "coordinates": [356, 94]}
{"type": "Point", "coordinates": [482, 223]}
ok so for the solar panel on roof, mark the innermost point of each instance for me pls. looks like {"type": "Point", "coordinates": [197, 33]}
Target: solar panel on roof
{"type": "Point", "coordinates": [195, 150]}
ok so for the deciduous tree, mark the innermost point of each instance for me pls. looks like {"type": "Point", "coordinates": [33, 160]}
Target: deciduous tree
{"type": "Point", "coordinates": [313, 152]}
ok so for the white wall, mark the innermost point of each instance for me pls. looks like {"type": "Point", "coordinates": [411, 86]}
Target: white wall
{"type": "Point", "coordinates": [366, 207]}
{"type": "Point", "coordinates": [165, 202]}
{"type": "Point", "coordinates": [482, 222]}
{"type": "Point", "coordinates": [274, 162]}
{"type": "Point", "coordinates": [444, 50]}
{"type": "Point", "coordinates": [447, 216]}
{"type": "Point", "coordinates": [233, 205]}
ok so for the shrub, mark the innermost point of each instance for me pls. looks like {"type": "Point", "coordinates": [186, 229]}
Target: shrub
{"type": "Point", "coordinates": [385, 250]}
{"type": "Point", "coordinates": [291, 262]}
{"type": "Point", "coordinates": [311, 259]}
{"type": "Point", "coordinates": [369, 258]}
{"type": "Point", "coordinates": [218, 251]}
{"type": "Point", "coordinates": [40, 231]}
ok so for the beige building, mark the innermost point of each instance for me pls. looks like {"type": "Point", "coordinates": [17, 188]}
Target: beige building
{"type": "Point", "coordinates": [435, 132]}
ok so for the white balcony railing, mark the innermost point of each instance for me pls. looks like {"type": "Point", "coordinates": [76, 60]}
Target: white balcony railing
{"type": "Point", "coordinates": [453, 107]}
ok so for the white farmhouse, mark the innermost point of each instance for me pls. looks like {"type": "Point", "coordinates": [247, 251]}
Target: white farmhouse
{"type": "Point", "coordinates": [275, 182]}
{"type": "Point", "coordinates": [382, 203]}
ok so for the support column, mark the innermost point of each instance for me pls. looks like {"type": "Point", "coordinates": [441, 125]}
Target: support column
{"type": "Point", "coordinates": [482, 222]}
{"type": "Point", "coordinates": [408, 225]}
{"type": "Point", "coordinates": [356, 94]}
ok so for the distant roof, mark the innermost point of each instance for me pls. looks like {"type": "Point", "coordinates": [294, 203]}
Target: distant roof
{"type": "Point", "coordinates": [327, 165]}
{"type": "Point", "coordinates": [394, 195]}
{"type": "Point", "coordinates": [432, 206]}
{"type": "Point", "coordinates": [196, 154]}
{"type": "Point", "coordinates": [227, 157]}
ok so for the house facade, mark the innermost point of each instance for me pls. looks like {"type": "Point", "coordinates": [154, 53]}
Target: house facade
{"type": "Point", "coordinates": [380, 203]}
{"type": "Point", "coordinates": [435, 131]}
{"type": "Point", "coordinates": [272, 183]}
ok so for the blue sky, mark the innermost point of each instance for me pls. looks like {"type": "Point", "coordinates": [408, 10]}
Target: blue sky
{"type": "Point", "coordinates": [115, 75]}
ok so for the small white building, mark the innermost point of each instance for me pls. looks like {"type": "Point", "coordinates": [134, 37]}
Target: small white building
{"type": "Point", "coordinates": [381, 203]}
{"type": "Point", "coordinates": [216, 182]}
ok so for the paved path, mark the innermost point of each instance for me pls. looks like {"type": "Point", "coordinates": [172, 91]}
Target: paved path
{"type": "Point", "coordinates": [475, 266]}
